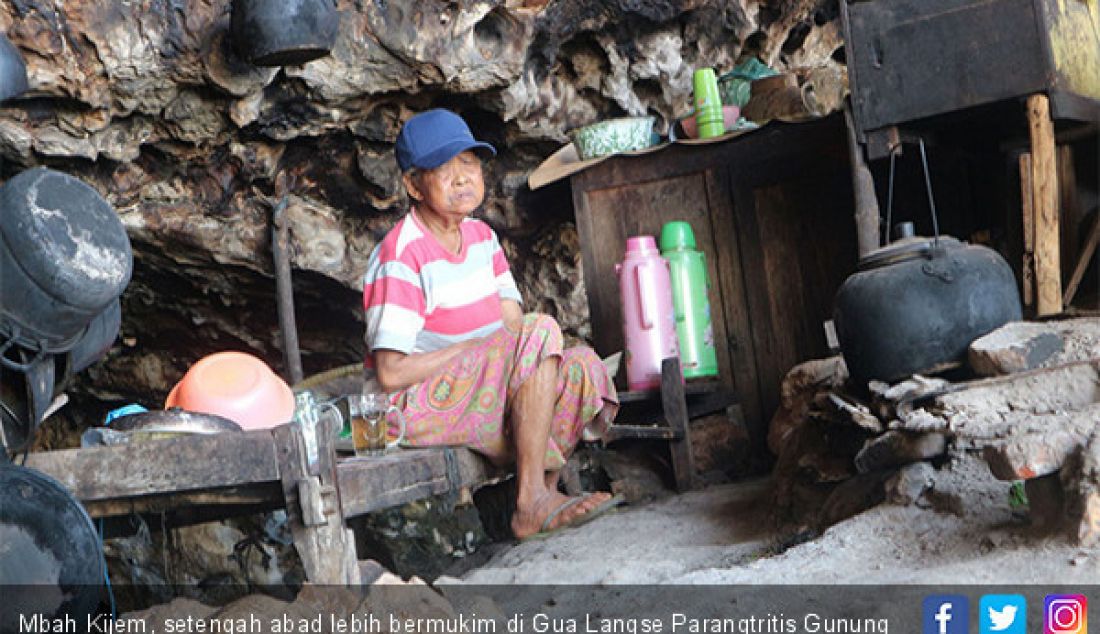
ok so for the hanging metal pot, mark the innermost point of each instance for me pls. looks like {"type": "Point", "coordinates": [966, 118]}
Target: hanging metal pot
{"type": "Point", "coordinates": [284, 32]}
{"type": "Point", "coordinates": [13, 70]}
{"type": "Point", "coordinates": [914, 306]}
{"type": "Point", "coordinates": [51, 561]}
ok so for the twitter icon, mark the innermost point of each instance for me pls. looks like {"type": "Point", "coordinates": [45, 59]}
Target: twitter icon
{"type": "Point", "coordinates": [1002, 614]}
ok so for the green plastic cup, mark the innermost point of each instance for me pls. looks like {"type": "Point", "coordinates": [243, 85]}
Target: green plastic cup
{"type": "Point", "coordinates": [708, 104]}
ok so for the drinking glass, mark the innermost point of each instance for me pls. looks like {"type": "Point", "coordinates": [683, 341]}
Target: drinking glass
{"type": "Point", "coordinates": [369, 412]}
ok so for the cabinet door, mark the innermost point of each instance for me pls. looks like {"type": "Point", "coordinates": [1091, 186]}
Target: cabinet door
{"type": "Point", "coordinates": [798, 245]}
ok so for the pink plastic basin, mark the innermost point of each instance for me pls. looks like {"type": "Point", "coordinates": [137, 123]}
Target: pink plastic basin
{"type": "Point", "coordinates": [237, 386]}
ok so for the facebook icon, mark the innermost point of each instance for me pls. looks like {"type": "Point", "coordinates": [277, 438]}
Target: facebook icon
{"type": "Point", "coordinates": [945, 614]}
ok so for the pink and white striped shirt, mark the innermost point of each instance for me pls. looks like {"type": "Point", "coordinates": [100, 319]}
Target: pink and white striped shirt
{"type": "Point", "coordinates": [419, 297]}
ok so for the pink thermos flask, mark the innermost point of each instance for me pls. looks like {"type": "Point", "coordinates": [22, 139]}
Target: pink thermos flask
{"type": "Point", "coordinates": [649, 326]}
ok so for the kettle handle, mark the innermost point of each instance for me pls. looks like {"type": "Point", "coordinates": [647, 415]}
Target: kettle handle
{"type": "Point", "coordinates": [645, 303]}
{"type": "Point", "coordinates": [894, 151]}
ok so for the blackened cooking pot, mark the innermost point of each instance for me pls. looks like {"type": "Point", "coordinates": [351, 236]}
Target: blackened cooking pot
{"type": "Point", "coordinates": [64, 258]}
{"type": "Point", "coordinates": [914, 307]}
{"type": "Point", "coordinates": [51, 562]}
{"type": "Point", "coordinates": [283, 32]}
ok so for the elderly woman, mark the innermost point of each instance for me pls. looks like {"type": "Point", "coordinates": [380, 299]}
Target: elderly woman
{"type": "Point", "coordinates": [447, 336]}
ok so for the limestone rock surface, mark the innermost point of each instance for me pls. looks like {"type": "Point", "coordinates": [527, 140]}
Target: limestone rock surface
{"type": "Point", "coordinates": [148, 102]}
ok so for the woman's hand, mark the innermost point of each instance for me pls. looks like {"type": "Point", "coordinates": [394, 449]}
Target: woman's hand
{"type": "Point", "coordinates": [512, 315]}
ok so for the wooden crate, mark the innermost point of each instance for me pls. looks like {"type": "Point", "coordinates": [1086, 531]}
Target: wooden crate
{"type": "Point", "coordinates": [911, 59]}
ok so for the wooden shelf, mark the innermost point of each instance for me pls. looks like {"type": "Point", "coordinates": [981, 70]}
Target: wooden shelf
{"type": "Point", "coordinates": [690, 389]}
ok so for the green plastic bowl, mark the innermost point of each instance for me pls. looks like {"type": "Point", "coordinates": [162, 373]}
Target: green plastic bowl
{"type": "Point", "coordinates": [623, 134]}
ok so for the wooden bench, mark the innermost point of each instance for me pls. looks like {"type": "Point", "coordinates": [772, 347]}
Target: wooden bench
{"type": "Point", "coordinates": [204, 478]}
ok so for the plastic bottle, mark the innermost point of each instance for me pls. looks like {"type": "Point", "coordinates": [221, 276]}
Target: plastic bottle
{"type": "Point", "coordinates": [694, 329]}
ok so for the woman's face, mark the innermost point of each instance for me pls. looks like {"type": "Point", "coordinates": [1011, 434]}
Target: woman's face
{"type": "Point", "coordinates": [454, 189]}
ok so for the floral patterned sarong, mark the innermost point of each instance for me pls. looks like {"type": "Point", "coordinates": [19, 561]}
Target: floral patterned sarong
{"type": "Point", "coordinates": [468, 402]}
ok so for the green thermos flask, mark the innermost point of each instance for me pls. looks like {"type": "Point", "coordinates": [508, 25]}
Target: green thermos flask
{"type": "Point", "coordinates": [689, 300]}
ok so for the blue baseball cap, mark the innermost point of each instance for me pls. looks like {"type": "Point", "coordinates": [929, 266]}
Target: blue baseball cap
{"type": "Point", "coordinates": [432, 138]}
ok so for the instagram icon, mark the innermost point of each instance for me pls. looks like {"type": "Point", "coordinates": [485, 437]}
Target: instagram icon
{"type": "Point", "coordinates": [1065, 614]}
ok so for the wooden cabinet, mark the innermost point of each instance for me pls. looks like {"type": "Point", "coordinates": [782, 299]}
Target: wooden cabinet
{"type": "Point", "coordinates": [772, 210]}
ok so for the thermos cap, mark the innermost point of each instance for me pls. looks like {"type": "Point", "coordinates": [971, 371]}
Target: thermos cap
{"type": "Point", "coordinates": [677, 235]}
{"type": "Point", "coordinates": [641, 244]}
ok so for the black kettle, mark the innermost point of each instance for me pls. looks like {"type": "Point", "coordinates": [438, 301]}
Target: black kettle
{"type": "Point", "coordinates": [284, 32]}
{"type": "Point", "coordinates": [915, 305]}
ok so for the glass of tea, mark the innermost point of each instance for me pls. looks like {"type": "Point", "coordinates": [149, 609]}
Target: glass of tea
{"type": "Point", "coordinates": [369, 425]}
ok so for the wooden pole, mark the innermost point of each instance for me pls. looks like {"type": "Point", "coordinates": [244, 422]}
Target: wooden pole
{"type": "Point", "coordinates": [1027, 273]}
{"type": "Point", "coordinates": [1044, 179]}
{"type": "Point", "coordinates": [280, 249]}
{"type": "Point", "coordinates": [863, 186]}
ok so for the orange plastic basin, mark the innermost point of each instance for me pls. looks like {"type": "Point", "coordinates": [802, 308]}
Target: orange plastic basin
{"type": "Point", "coordinates": [237, 386]}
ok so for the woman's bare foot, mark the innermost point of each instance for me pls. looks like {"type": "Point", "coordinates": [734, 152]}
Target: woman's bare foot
{"type": "Point", "coordinates": [530, 516]}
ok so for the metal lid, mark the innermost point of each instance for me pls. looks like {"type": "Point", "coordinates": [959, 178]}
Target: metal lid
{"type": "Point", "coordinates": [907, 249]}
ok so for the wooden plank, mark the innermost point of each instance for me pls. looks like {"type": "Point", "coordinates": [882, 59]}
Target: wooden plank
{"type": "Point", "coordinates": [1044, 178]}
{"type": "Point", "coordinates": [1083, 262]}
{"type": "Point", "coordinates": [718, 252]}
{"type": "Point", "coordinates": [737, 343]}
{"type": "Point", "coordinates": [691, 388]}
{"type": "Point", "coordinates": [782, 285]}
{"type": "Point", "coordinates": [325, 546]}
{"type": "Point", "coordinates": [162, 466]}
{"type": "Point", "coordinates": [370, 484]}
{"type": "Point", "coordinates": [675, 410]}
{"type": "Point", "coordinates": [758, 306]}
{"type": "Point", "coordinates": [641, 432]}
{"type": "Point", "coordinates": [220, 503]}
{"type": "Point", "coordinates": [598, 232]}
{"type": "Point", "coordinates": [1027, 203]}
{"type": "Point", "coordinates": [1069, 205]}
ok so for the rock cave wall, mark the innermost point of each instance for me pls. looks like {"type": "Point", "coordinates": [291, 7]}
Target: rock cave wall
{"type": "Point", "coordinates": [147, 101]}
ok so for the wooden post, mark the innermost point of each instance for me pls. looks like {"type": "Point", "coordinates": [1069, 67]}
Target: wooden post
{"type": "Point", "coordinates": [1044, 180]}
{"type": "Point", "coordinates": [284, 288]}
{"type": "Point", "coordinates": [863, 186]}
{"type": "Point", "coordinates": [1027, 273]}
{"type": "Point", "coordinates": [674, 404]}
{"type": "Point", "coordinates": [313, 507]}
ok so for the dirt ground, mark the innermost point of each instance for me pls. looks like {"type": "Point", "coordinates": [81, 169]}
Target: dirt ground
{"type": "Point", "coordinates": [964, 532]}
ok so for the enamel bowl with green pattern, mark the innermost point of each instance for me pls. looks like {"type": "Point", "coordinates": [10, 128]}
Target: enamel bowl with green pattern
{"type": "Point", "coordinates": [623, 134]}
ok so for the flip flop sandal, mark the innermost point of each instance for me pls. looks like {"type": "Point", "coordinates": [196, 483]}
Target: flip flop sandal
{"type": "Point", "coordinates": [601, 509]}
{"type": "Point", "coordinates": [545, 531]}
